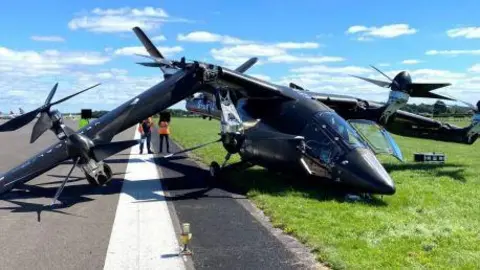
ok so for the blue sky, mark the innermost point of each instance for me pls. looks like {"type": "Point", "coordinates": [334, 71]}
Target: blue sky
{"type": "Point", "coordinates": [312, 43]}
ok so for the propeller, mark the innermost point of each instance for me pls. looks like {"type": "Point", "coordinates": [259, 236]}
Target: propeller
{"type": "Point", "coordinates": [45, 120]}
{"type": "Point", "coordinates": [403, 82]}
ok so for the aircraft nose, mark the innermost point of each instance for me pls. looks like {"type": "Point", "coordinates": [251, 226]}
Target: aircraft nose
{"type": "Point", "coordinates": [362, 170]}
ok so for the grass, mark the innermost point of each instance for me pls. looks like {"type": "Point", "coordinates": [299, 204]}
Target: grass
{"type": "Point", "coordinates": [433, 221]}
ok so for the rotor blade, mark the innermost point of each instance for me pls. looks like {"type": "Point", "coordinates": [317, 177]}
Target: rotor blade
{"type": "Point", "coordinates": [43, 124]}
{"type": "Point", "coordinates": [19, 121]}
{"type": "Point", "coordinates": [72, 95]}
{"type": "Point", "coordinates": [103, 151]}
{"type": "Point", "coordinates": [382, 73]}
{"type": "Point", "coordinates": [51, 94]}
{"type": "Point", "coordinates": [191, 149]}
{"type": "Point", "coordinates": [60, 189]}
{"type": "Point", "coordinates": [151, 49]}
{"type": "Point", "coordinates": [376, 82]}
{"type": "Point", "coordinates": [245, 66]}
{"type": "Point", "coordinates": [423, 90]}
{"type": "Point", "coordinates": [152, 64]}
{"type": "Point", "coordinates": [157, 60]}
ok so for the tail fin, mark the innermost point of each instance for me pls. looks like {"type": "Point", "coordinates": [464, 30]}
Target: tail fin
{"type": "Point", "coordinates": [151, 49]}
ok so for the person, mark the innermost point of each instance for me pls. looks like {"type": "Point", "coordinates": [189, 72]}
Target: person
{"type": "Point", "coordinates": [145, 129]}
{"type": "Point", "coordinates": [164, 131]}
{"type": "Point", "coordinates": [83, 122]}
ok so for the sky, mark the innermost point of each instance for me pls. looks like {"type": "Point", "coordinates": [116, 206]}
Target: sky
{"type": "Point", "coordinates": [315, 44]}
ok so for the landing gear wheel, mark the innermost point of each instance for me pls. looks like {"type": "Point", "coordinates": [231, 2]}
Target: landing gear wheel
{"type": "Point", "coordinates": [92, 181]}
{"type": "Point", "coordinates": [214, 173]}
{"type": "Point", "coordinates": [108, 172]}
{"type": "Point", "coordinates": [214, 169]}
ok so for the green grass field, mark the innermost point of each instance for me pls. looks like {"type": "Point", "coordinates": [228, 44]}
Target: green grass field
{"type": "Point", "coordinates": [433, 221]}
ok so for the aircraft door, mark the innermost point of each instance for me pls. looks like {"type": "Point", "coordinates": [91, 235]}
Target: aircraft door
{"type": "Point", "coordinates": [379, 140]}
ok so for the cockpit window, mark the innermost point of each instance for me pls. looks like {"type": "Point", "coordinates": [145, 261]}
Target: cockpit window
{"type": "Point", "coordinates": [340, 130]}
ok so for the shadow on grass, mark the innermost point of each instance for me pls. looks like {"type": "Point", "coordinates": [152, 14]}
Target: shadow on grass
{"type": "Point", "coordinates": [183, 175]}
{"type": "Point", "coordinates": [438, 170]}
{"type": "Point", "coordinates": [277, 184]}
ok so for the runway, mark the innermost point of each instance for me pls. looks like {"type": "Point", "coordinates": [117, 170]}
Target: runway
{"type": "Point", "coordinates": [134, 222]}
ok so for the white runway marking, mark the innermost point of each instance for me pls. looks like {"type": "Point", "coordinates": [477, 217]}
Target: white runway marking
{"type": "Point", "coordinates": [142, 236]}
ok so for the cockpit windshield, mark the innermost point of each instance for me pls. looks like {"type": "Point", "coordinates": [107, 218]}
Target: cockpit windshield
{"type": "Point", "coordinates": [328, 137]}
{"type": "Point", "coordinates": [340, 130]}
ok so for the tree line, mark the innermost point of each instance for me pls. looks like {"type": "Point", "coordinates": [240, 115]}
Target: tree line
{"type": "Point", "coordinates": [439, 109]}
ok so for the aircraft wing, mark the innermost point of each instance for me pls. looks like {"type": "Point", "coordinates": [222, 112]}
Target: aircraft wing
{"type": "Point", "coordinates": [35, 166]}
{"type": "Point", "coordinates": [250, 86]}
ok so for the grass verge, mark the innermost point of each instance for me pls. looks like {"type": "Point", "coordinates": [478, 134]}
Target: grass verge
{"type": "Point", "coordinates": [432, 221]}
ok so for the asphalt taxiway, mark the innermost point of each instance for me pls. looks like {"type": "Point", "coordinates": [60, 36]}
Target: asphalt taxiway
{"type": "Point", "coordinates": [133, 222]}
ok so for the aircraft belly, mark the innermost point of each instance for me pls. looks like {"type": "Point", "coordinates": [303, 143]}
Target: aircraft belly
{"type": "Point", "coordinates": [272, 153]}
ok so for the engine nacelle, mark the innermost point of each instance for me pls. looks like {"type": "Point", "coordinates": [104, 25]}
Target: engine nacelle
{"type": "Point", "coordinates": [396, 100]}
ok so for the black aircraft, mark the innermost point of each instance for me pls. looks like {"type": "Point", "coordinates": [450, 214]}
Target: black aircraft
{"type": "Point", "coordinates": [266, 124]}
{"type": "Point", "coordinates": [295, 130]}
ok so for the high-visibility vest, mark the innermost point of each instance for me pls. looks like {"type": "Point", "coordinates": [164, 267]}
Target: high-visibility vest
{"type": "Point", "coordinates": [164, 129]}
{"type": "Point", "coordinates": [83, 122]}
{"type": "Point", "coordinates": [149, 123]}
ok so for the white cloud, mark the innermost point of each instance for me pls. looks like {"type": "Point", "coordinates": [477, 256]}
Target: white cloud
{"type": "Point", "coordinates": [386, 31]}
{"type": "Point", "coordinates": [475, 68]}
{"type": "Point", "coordinates": [466, 32]}
{"type": "Point", "coordinates": [328, 69]}
{"type": "Point", "coordinates": [204, 37]}
{"type": "Point", "coordinates": [270, 53]}
{"type": "Point", "coordinates": [287, 58]}
{"type": "Point", "coordinates": [48, 38]}
{"type": "Point", "coordinates": [166, 51]}
{"type": "Point", "coordinates": [411, 61]}
{"type": "Point", "coordinates": [453, 52]}
{"type": "Point", "coordinates": [296, 45]}
{"type": "Point", "coordinates": [208, 37]}
{"type": "Point", "coordinates": [122, 19]}
{"type": "Point", "coordinates": [159, 38]}
{"type": "Point", "coordinates": [32, 63]}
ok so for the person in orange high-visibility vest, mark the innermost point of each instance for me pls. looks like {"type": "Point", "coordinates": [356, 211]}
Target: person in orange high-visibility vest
{"type": "Point", "coordinates": [145, 129]}
{"type": "Point", "coordinates": [164, 131]}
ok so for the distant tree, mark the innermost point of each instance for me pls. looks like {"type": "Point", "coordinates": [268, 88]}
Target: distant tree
{"type": "Point", "coordinates": [439, 107]}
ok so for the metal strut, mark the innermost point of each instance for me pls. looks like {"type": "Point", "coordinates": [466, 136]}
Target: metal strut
{"type": "Point", "coordinates": [396, 100]}
{"type": "Point", "coordinates": [230, 120]}
{"type": "Point", "coordinates": [475, 129]}
{"type": "Point", "coordinates": [230, 123]}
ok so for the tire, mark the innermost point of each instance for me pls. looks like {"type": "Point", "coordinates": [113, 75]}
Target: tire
{"type": "Point", "coordinates": [213, 173]}
{"type": "Point", "coordinates": [92, 181]}
{"type": "Point", "coordinates": [108, 175]}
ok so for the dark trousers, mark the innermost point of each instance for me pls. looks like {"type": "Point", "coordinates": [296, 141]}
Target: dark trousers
{"type": "Point", "coordinates": [162, 136]}
{"type": "Point", "coordinates": [148, 136]}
